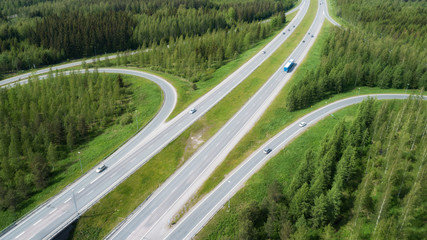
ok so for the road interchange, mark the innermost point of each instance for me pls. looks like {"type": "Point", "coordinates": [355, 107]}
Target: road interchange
{"type": "Point", "coordinates": [47, 220]}
{"type": "Point", "coordinates": [151, 219]}
{"type": "Point", "coordinates": [205, 209]}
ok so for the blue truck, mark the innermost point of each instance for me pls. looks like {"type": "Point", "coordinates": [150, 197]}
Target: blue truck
{"type": "Point", "coordinates": [289, 65]}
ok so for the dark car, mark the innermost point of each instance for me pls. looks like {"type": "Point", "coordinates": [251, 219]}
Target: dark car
{"type": "Point", "coordinates": [267, 150]}
{"type": "Point", "coordinates": [101, 168]}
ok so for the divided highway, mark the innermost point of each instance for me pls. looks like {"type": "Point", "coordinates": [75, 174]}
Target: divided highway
{"type": "Point", "coordinates": [47, 220]}
{"type": "Point", "coordinates": [203, 211]}
{"type": "Point", "coordinates": [151, 219]}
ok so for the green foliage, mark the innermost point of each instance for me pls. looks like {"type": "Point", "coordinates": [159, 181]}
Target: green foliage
{"type": "Point", "coordinates": [42, 121]}
{"type": "Point", "coordinates": [45, 32]}
{"type": "Point", "coordinates": [386, 48]}
{"type": "Point", "coordinates": [365, 188]}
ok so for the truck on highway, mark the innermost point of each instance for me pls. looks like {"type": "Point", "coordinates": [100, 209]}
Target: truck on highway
{"type": "Point", "coordinates": [289, 65]}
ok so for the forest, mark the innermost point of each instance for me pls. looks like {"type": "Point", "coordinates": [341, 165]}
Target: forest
{"type": "Point", "coordinates": [384, 46]}
{"type": "Point", "coordinates": [42, 121]}
{"type": "Point", "coordinates": [36, 33]}
{"type": "Point", "coordinates": [366, 180]}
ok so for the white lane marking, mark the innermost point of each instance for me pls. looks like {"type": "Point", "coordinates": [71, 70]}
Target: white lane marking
{"type": "Point", "coordinates": [218, 144]}
{"type": "Point", "coordinates": [89, 193]}
{"type": "Point", "coordinates": [67, 200]}
{"type": "Point", "coordinates": [94, 180]}
{"type": "Point", "coordinates": [37, 222]}
{"type": "Point", "coordinates": [112, 175]}
{"type": "Point", "coordinates": [81, 190]}
{"type": "Point", "coordinates": [20, 235]}
{"type": "Point", "coordinates": [52, 211]}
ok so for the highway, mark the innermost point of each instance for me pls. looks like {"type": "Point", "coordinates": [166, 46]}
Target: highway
{"type": "Point", "coordinates": [50, 218]}
{"type": "Point", "coordinates": [151, 219]}
{"type": "Point", "coordinates": [204, 210]}
{"type": "Point", "coordinates": [61, 206]}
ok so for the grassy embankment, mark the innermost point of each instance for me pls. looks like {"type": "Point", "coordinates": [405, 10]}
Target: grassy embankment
{"type": "Point", "coordinates": [281, 168]}
{"type": "Point", "coordinates": [186, 94]}
{"type": "Point", "coordinates": [332, 9]}
{"type": "Point", "coordinates": [146, 99]}
{"type": "Point", "coordinates": [97, 222]}
{"type": "Point", "coordinates": [278, 117]}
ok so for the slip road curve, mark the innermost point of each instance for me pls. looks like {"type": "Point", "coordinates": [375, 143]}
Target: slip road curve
{"type": "Point", "coordinates": [57, 217]}
{"type": "Point", "coordinates": [61, 209]}
{"type": "Point", "coordinates": [204, 210]}
{"type": "Point", "coordinates": [151, 219]}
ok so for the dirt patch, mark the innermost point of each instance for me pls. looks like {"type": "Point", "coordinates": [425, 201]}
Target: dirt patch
{"type": "Point", "coordinates": [193, 143]}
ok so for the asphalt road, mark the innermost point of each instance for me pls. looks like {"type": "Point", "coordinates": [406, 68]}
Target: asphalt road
{"type": "Point", "coordinates": [201, 213]}
{"type": "Point", "coordinates": [47, 220]}
{"type": "Point", "coordinates": [151, 219]}
{"type": "Point", "coordinates": [60, 209]}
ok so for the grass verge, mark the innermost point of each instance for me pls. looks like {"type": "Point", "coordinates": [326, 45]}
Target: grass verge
{"type": "Point", "coordinates": [146, 98]}
{"type": "Point", "coordinates": [276, 118]}
{"type": "Point", "coordinates": [224, 225]}
{"type": "Point", "coordinates": [332, 9]}
{"type": "Point", "coordinates": [98, 221]}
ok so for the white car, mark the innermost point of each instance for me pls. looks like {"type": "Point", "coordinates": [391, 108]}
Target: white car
{"type": "Point", "coordinates": [101, 168]}
{"type": "Point", "coordinates": [193, 110]}
{"type": "Point", "coordinates": [267, 150]}
{"type": "Point", "coordinates": [302, 124]}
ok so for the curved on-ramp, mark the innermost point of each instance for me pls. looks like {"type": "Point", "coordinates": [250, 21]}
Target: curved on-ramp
{"type": "Point", "coordinates": [44, 213]}
{"type": "Point", "coordinates": [205, 209]}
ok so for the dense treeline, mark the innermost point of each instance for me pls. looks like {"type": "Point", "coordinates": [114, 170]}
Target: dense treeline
{"type": "Point", "coordinates": [366, 180]}
{"type": "Point", "coordinates": [386, 48]}
{"type": "Point", "coordinates": [47, 32]}
{"type": "Point", "coordinates": [196, 58]}
{"type": "Point", "coordinates": [42, 121]}
{"type": "Point", "coordinates": [77, 34]}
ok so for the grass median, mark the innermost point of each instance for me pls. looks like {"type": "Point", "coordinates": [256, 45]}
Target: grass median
{"type": "Point", "coordinates": [277, 117]}
{"type": "Point", "coordinates": [224, 225]}
{"type": "Point", "coordinates": [238, 154]}
{"type": "Point", "coordinates": [119, 203]}
{"type": "Point", "coordinates": [146, 98]}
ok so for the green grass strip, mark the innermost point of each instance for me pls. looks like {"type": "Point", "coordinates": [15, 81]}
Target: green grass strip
{"type": "Point", "coordinates": [224, 225]}
{"type": "Point", "coordinates": [98, 221]}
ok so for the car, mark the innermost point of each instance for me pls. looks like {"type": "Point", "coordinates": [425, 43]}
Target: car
{"type": "Point", "coordinates": [267, 150]}
{"type": "Point", "coordinates": [101, 168]}
{"type": "Point", "coordinates": [264, 52]}
{"type": "Point", "coordinates": [303, 41]}
{"type": "Point", "coordinates": [294, 25]}
{"type": "Point", "coordinates": [193, 110]}
{"type": "Point", "coordinates": [308, 33]}
{"type": "Point", "coordinates": [312, 35]}
{"type": "Point", "coordinates": [289, 30]}
{"type": "Point", "coordinates": [302, 124]}
{"type": "Point", "coordinates": [283, 33]}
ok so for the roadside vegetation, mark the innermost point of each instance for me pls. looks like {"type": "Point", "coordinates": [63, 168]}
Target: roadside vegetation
{"type": "Point", "coordinates": [356, 175]}
{"type": "Point", "coordinates": [385, 47]}
{"type": "Point", "coordinates": [46, 32]}
{"type": "Point", "coordinates": [42, 132]}
{"type": "Point", "coordinates": [278, 115]}
{"type": "Point", "coordinates": [97, 222]}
